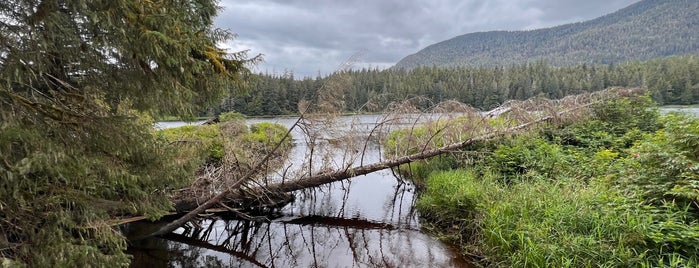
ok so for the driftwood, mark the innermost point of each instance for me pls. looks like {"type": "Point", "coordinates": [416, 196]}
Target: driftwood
{"type": "Point", "coordinates": [233, 196]}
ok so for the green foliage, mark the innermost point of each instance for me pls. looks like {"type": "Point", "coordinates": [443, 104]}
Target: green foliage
{"type": "Point", "coordinates": [563, 224]}
{"type": "Point", "coordinates": [59, 193]}
{"type": "Point", "coordinates": [626, 114]}
{"type": "Point", "coordinates": [618, 189]}
{"type": "Point", "coordinates": [664, 168]}
{"type": "Point", "coordinates": [525, 155]}
{"type": "Point", "coordinates": [535, 223]}
{"type": "Point", "coordinates": [453, 200]}
{"type": "Point", "coordinates": [673, 80]}
{"type": "Point", "coordinates": [613, 125]}
{"type": "Point", "coordinates": [672, 236]}
{"type": "Point", "coordinates": [79, 82]}
{"type": "Point", "coordinates": [662, 173]}
{"type": "Point", "coordinates": [231, 141]}
{"type": "Point", "coordinates": [268, 133]}
{"type": "Point", "coordinates": [231, 117]}
{"type": "Point", "coordinates": [200, 144]}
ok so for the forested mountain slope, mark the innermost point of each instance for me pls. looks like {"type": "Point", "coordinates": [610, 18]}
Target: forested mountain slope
{"type": "Point", "coordinates": [645, 30]}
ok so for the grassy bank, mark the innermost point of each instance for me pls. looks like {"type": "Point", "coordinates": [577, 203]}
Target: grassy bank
{"type": "Point", "coordinates": [204, 145]}
{"type": "Point", "coordinates": [620, 188]}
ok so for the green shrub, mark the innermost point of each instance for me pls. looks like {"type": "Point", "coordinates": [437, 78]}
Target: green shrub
{"type": "Point", "coordinates": [268, 133]}
{"type": "Point", "coordinates": [621, 115]}
{"type": "Point", "coordinates": [663, 173]}
{"type": "Point", "coordinates": [527, 155]}
{"type": "Point", "coordinates": [200, 144]}
{"type": "Point", "coordinates": [614, 125]}
{"type": "Point", "coordinates": [231, 117]}
{"type": "Point", "coordinates": [206, 144]}
{"type": "Point", "coordinates": [607, 191]}
{"type": "Point", "coordinates": [665, 167]}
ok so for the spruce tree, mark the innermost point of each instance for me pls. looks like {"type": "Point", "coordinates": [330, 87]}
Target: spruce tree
{"type": "Point", "coordinates": [79, 80]}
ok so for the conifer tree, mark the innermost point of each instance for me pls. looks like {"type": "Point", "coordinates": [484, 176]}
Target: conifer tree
{"type": "Point", "coordinates": [78, 81]}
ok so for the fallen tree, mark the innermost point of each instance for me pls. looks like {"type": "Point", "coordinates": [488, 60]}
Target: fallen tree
{"type": "Point", "coordinates": [526, 114]}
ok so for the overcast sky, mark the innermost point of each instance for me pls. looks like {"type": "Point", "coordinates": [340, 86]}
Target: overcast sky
{"type": "Point", "coordinates": [312, 36]}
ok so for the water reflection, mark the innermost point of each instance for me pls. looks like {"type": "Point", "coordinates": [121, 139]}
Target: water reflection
{"type": "Point", "coordinates": [335, 231]}
{"type": "Point", "coordinates": [277, 244]}
{"type": "Point", "coordinates": [369, 221]}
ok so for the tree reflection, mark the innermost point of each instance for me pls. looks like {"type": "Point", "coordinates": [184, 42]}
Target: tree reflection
{"type": "Point", "coordinates": [325, 238]}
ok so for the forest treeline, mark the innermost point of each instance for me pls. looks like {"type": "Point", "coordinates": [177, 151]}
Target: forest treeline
{"type": "Point", "coordinates": [673, 80]}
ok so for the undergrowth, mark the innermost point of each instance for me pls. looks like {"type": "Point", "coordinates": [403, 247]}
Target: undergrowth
{"type": "Point", "coordinates": [208, 144]}
{"type": "Point", "coordinates": [619, 189]}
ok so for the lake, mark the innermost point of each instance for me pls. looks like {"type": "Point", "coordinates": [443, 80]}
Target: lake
{"type": "Point", "coordinates": [368, 221]}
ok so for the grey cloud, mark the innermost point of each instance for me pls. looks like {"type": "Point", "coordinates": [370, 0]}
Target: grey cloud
{"type": "Point", "coordinates": [309, 36]}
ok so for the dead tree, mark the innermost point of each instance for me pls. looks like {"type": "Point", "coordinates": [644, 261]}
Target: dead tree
{"type": "Point", "coordinates": [319, 169]}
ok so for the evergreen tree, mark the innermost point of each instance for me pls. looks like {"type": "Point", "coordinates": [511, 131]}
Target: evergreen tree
{"type": "Point", "coordinates": [479, 87]}
{"type": "Point", "coordinates": [78, 81]}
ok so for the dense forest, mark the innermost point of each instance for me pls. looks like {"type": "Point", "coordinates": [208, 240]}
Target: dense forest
{"type": "Point", "coordinates": [642, 31]}
{"type": "Point", "coordinates": [673, 80]}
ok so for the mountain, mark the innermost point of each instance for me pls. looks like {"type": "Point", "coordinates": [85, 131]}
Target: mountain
{"type": "Point", "coordinates": [644, 30]}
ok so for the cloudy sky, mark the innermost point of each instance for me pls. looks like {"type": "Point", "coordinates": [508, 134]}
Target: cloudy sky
{"type": "Point", "coordinates": [316, 36]}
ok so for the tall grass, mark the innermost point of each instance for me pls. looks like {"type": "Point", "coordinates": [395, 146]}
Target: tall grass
{"type": "Point", "coordinates": [618, 190]}
{"type": "Point", "coordinates": [535, 223]}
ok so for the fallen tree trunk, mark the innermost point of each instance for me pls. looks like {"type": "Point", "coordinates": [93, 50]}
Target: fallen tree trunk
{"type": "Point", "coordinates": [185, 202]}
{"type": "Point", "coordinates": [235, 195]}
{"type": "Point", "coordinates": [330, 177]}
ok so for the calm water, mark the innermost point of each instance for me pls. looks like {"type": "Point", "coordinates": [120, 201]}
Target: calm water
{"type": "Point", "coordinates": [173, 124]}
{"type": "Point", "coordinates": [368, 221]}
{"type": "Point", "coordinates": [687, 110]}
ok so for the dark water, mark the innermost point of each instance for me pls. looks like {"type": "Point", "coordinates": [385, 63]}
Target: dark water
{"type": "Point", "coordinates": [369, 221]}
